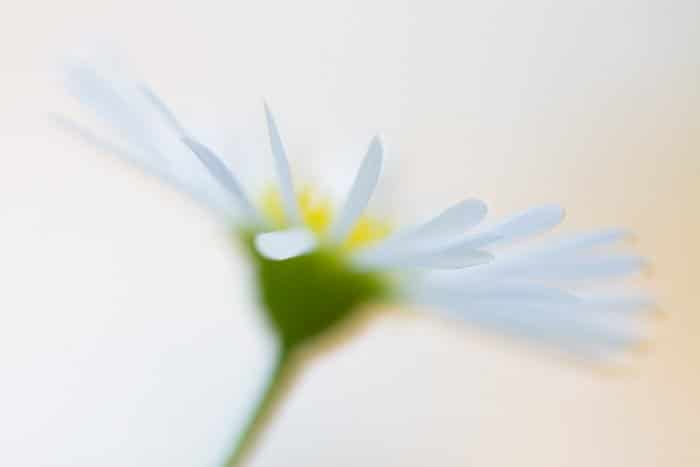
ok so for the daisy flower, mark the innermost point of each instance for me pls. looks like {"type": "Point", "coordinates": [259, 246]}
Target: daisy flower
{"type": "Point", "coordinates": [318, 260]}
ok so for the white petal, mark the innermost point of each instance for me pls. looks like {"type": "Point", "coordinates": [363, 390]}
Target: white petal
{"type": "Point", "coordinates": [146, 163]}
{"type": "Point", "coordinates": [567, 246]}
{"type": "Point", "coordinates": [360, 192]}
{"type": "Point", "coordinates": [223, 175]}
{"type": "Point", "coordinates": [569, 329]}
{"type": "Point", "coordinates": [592, 267]}
{"type": "Point", "coordinates": [289, 198]}
{"type": "Point", "coordinates": [564, 259]}
{"type": "Point", "coordinates": [285, 244]}
{"type": "Point", "coordinates": [639, 303]}
{"type": "Point", "coordinates": [583, 241]}
{"type": "Point", "coordinates": [104, 144]}
{"type": "Point", "coordinates": [468, 242]}
{"type": "Point", "coordinates": [457, 260]}
{"type": "Point", "coordinates": [165, 112]}
{"type": "Point", "coordinates": [455, 254]}
{"type": "Point", "coordinates": [146, 128]}
{"type": "Point", "coordinates": [541, 319]}
{"type": "Point", "coordinates": [111, 101]}
{"type": "Point", "coordinates": [423, 259]}
{"type": "Point", "coordinates": [523, 293]}
{"type": "Point", "coordinates": [449, 224]}
{"type": "Point", "coordinates": [437, 251]}
{"type": "Point", "coordinates": [531, 222]}
{"type": "Point", "coordinates": [577, 267]}
{"type": "Point", "coordinates": [440, 238]}
{"type": "Point", "coordinates": [453, 221]}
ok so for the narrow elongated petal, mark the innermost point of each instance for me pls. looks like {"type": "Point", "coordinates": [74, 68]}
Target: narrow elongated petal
{"type": "Point", "coordinates": [581, 332]}
{"type": "Point", "coordinates": [617, 303]}
{"type": "Point", "coordinates": [587, 268]}
{"type": "Point", "coordinates": [360, 192]}
{"type": "Point", "coordinates": [285, 244]}
{"type": "Point", "coordinates": [457, 260]}
{"type": "Point", "coordinates": [468, 242]}
{"type": "Point", "coordinates": [441, 236]}
{"type": "Point", "coordinates": [291, 206]}
{"type": "Point", "coordinates": [110, 147]}
{"type": "Point", "coordinates": [529, 223]}
{"type": "Point", "coordinates": [563, 259]}
{"type": "Point", "coordinates": [455, 254]}
{"type": "Point", "coordinates": [111, 102]}
{"type": "Point", "coordinates": [430, 259]}
{"type": "Point", "coordinates": [492, 291]}
{"type": "Point", "coordinates": [566, 267]}
{"type": "Point", "coordinates": [146, 163]}
{"type": "Point", "coordinates": [582, 242]}
{"type": "Point", "coordinates": [539, 314]}
{"type": "Point", "coordinates": [147, 131]}
{"type": "Point", "coordinates": [224, 176]}
{"type": "Point", "coordinates": [450, 224]}
{"type": "Point", "coordinates": [165, 112]}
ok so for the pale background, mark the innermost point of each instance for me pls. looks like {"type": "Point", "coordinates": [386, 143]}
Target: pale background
{"type": "Point", "coordinates": [127, 333]}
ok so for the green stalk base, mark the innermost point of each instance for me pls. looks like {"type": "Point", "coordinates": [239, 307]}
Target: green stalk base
{"type": "Point", "coordinates": [272, 393]}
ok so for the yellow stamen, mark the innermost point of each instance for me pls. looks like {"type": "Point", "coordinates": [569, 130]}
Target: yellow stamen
{"type": "Point", "coordinates": [317, 213]}
{"type": "Point", "coordinates": [366, 231]}
{"type": "Point", "coordinates": [272, 207]}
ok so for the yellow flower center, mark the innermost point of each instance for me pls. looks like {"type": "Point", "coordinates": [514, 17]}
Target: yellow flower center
{"type": "Point", "coordinates": [317, 213]}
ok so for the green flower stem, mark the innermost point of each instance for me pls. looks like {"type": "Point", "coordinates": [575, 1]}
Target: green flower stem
{"type": "Point", "coordinates": [304, 298]}
{"type": "Point", "coordinates": [276, 385]}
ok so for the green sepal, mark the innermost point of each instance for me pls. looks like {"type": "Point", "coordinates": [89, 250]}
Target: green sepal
{"type": "Point", "coordinates": [306, 296]}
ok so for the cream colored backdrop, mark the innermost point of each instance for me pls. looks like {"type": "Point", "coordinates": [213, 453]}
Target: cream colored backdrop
{"type": "Point", "coordinates": [127, 333]}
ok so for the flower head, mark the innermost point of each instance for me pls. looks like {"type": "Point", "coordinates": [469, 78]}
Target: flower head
{"type": "Point", "coordinates": [318, 260]}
